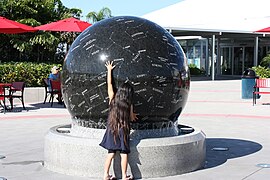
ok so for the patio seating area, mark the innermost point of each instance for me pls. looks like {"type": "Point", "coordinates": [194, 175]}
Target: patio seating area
{"type": "Point", "coordinates": [9, 92]}
{"type": "Point", "coordinates": [18, 97]}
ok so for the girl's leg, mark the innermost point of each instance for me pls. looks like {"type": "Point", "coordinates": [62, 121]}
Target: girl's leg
{"type": "Point", "coordinates": [124, 164]}
{"type": "Point", "coordinates": [107, 165]}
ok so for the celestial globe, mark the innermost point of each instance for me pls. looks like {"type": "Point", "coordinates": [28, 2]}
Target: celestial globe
{"type": "Point", "coordinates": [145, 55]}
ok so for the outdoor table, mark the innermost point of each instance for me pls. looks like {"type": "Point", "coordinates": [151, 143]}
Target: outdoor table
{"type": "Point", "coordinates": [5, 84]}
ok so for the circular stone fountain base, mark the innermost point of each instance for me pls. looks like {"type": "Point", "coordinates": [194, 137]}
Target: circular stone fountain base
{"type": "Point", "coordinates": [67, 153]}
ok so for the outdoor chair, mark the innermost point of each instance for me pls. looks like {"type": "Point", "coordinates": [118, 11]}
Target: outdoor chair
{"type": "Point", "coordinates": [3, 98]}
{"type": "Point", "coordinates": [17, 91]}
{"type": "Point", "coordinates": [260, 87]}
{"type": "Point", "coordinates": [55, 89]}
{"type": "Point", "coordinates": [47, 89]}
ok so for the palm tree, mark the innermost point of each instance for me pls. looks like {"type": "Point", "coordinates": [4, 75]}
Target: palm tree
{"type": "Point", "coordinates": [97, 16]}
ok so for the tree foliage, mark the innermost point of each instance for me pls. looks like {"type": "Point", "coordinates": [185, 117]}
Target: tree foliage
{"type": "Point", "coordinates": [266, 61]}
{"type": "Point", "coordinates": [98, 16]}
{"type": "Point", "coordinates": [38, 46]}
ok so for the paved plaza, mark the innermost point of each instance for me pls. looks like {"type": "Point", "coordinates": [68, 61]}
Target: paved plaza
{"type": "Point", "coordinates": [237, 134]}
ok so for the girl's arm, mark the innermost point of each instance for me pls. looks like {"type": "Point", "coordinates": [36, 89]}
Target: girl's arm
{"type": "Point", "coordinates": [109, 65]}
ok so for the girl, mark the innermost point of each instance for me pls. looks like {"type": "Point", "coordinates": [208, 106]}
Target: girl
{"type": "Point", "coordinates": [116, 137]}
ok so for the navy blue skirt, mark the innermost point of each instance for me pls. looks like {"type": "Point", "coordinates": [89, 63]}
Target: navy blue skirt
{"type": "Point", "coordinates": [118, 145]}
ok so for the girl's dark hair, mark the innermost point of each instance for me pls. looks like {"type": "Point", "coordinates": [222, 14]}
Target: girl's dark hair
{"type": "Point", "coordinates": [119, 116]}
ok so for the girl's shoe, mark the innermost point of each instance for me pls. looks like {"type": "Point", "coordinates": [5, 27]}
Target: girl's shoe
{"type": "Point", "coordinates": [129, 177]}
{"type": "Point", "coordinates": [110, 177]}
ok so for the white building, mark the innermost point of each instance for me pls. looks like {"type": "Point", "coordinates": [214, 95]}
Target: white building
{"type": "Point", "coordinates": [223, 29]}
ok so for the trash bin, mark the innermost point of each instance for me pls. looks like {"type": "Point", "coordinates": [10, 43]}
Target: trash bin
{"type": "Point", "coordinates": [248, 82]}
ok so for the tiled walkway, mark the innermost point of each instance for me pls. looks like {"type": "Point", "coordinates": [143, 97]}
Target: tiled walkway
{"type": "Point", "coordinates": [215, 107]}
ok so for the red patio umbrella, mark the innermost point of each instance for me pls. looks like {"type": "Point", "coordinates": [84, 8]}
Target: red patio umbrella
{"type": "Point", "coordinates": [12, 27]}
{"type": "Point", "coordinates": [264, 30]}
{"type": "Point", "coordinates": [68, 25]}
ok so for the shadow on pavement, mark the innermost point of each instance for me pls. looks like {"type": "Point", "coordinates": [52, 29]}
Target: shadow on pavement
{"type": "Point", "coordinates": [32, 107]}
{"type": "Point", "coordinates": [219, 150]}
{"type": "Point", "coordinates": [47, 105]}
{"type": "Point", "coordinates": [18, 109]}
{"type": "Point", "coordinates": [23, 162]}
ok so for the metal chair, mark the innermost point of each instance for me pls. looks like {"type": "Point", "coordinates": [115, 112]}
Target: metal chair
{"type": "Point", "coordinates": [17, 91]}
{"type": "Point", "coordinates": [260, 88]}
{"type": "Point", "coordinates": [55, 89]}
{"type": "Point", "coordinates": [48, 90]}
{"type": "Point", "coordinates": [2, 97]}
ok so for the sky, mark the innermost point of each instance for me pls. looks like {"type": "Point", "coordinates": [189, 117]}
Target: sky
{"type": "Point", "coordinates": [119, 7]}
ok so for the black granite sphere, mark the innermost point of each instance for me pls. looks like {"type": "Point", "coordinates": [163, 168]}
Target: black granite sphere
{"type": "Point", "coordinates": [144, 53]}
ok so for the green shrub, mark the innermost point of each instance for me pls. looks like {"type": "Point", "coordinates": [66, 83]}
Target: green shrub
{"type": "Point", "coordinates": [265, 61]}
{"type": "Point", "coordinates": [261, 71]}
{"type": "Point", "coordinates": [194, 70]}
{"type": "Point", "coordinates": [31, 73]}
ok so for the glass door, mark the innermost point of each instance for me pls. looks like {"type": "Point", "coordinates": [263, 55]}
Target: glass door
{"type": "Point", "coordinates": [249, 56]}
{"type": "Point", "coordinates": [243, 59]}
{"type": "Point", "coordinates": [238, 65]}
{"type": "Point", "coordinates": [226, 60]}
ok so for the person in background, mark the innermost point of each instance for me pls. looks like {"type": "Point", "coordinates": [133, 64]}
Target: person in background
{"type": "Point", "coordinates": [55, 76]}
